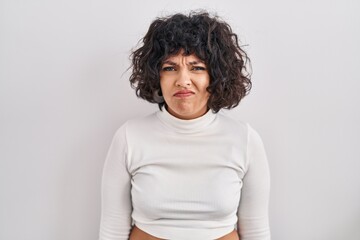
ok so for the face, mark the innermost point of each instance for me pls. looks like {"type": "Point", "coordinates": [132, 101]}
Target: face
{"type": "Point", "coordinates": [183, 81]}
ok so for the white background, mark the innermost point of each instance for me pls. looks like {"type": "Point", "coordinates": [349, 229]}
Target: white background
{"type": "Point", "coordinates": [64, 91]}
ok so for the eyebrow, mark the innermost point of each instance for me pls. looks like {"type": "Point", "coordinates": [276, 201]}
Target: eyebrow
{"type": "Point", "coordinates": [190, 63]}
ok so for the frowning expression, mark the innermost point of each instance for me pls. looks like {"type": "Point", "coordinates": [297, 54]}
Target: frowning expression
{"type": "Point", "coordinates": [183, 81]}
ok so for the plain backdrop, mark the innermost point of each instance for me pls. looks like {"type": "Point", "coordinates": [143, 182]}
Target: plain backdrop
{"type": "Point", "coordinates": [64, 91]}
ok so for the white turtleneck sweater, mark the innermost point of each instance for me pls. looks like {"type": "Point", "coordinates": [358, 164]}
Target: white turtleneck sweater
{"type": "Point", "coordinates": [185, 179]}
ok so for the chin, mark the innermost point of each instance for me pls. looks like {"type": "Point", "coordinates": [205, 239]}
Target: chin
{"type": "Point", "coordinates": [187, 114]}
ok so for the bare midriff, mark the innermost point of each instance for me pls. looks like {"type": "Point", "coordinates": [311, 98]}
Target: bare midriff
{"type": "Point", "coordinates": [138, 234]}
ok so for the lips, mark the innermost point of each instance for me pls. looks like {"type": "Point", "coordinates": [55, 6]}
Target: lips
{"type": "Point", "coordinates": [184, 93]}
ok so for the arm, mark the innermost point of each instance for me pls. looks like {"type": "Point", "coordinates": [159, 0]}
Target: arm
{"type": "Point", "coordinates": [253, 222]}
{"type": "Point", "coordinates": [116, 204]}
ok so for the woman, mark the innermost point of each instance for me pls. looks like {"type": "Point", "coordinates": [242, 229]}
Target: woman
{"type": "Point", "coordinates": [187, 171]}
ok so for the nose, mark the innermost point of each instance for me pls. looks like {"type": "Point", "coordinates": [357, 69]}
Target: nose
{"type": "Point", "coordinates": [183, 78]}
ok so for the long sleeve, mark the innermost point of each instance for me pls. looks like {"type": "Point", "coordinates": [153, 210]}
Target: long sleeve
{"type": "Point", "coordinates": [116, 204]}
{"type": "Point", "coordinates": [253, 222]}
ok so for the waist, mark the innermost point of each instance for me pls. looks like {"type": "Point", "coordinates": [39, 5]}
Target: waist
{"type": "Point", "coordinates": [139, 234]}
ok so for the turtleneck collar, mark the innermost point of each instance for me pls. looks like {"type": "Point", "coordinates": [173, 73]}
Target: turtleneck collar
{"type": "Point", "coordinates": [186, 126]}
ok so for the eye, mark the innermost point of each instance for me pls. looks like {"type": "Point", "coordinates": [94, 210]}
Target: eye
{"type": "Point", "coordinates": [167, 69]}
{"type": "Point", "coordinates": [198, 68]}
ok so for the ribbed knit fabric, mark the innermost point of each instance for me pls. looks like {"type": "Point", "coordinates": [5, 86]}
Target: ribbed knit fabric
{"type": "Point", "coordinates": [185, 179]}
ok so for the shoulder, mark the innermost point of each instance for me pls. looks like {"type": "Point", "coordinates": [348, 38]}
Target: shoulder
{"type": "Point", "coordinates": [137, 122]}
{"type": "Point", "coordinates": [240, 130]}
{"type": "Point", "coordinates": [232, 124]}
{"type": "Point", "coordinates": [236, 125]}
{"type": "Point", "coordinates": [249, 138]}
{"type": "Point", "coordinates": [136, 127]}
{"type": "Point", "coordinates": [253, 136]}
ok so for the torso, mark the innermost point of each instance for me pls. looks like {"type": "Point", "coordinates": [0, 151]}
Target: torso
{"type": "Point", "coordinates": [172, 166]}
{"type": "Point", "coordinates": [138, 234]}
{"type": "Point", "coordinates": [170, 175]}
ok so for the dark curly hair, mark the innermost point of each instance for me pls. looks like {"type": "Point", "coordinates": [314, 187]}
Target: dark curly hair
{"type": "Point", "coordinates": [210, 39]}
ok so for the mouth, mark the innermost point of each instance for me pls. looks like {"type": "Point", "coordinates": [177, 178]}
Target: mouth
{"type": "Point", "coordinates": [183, 93]}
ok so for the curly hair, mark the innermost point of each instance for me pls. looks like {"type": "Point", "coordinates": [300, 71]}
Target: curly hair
{"type": "Point", "coordinates": [210, 39]}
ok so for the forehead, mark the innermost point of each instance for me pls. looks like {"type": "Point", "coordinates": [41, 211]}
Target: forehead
{"type": "Point", "coordinates": [181, 57]}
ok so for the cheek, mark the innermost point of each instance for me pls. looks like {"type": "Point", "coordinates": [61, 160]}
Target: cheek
{"type": "Point", "coordinates": [164, 87]}
{"type": "Point", "coordinates": [204, 85]}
